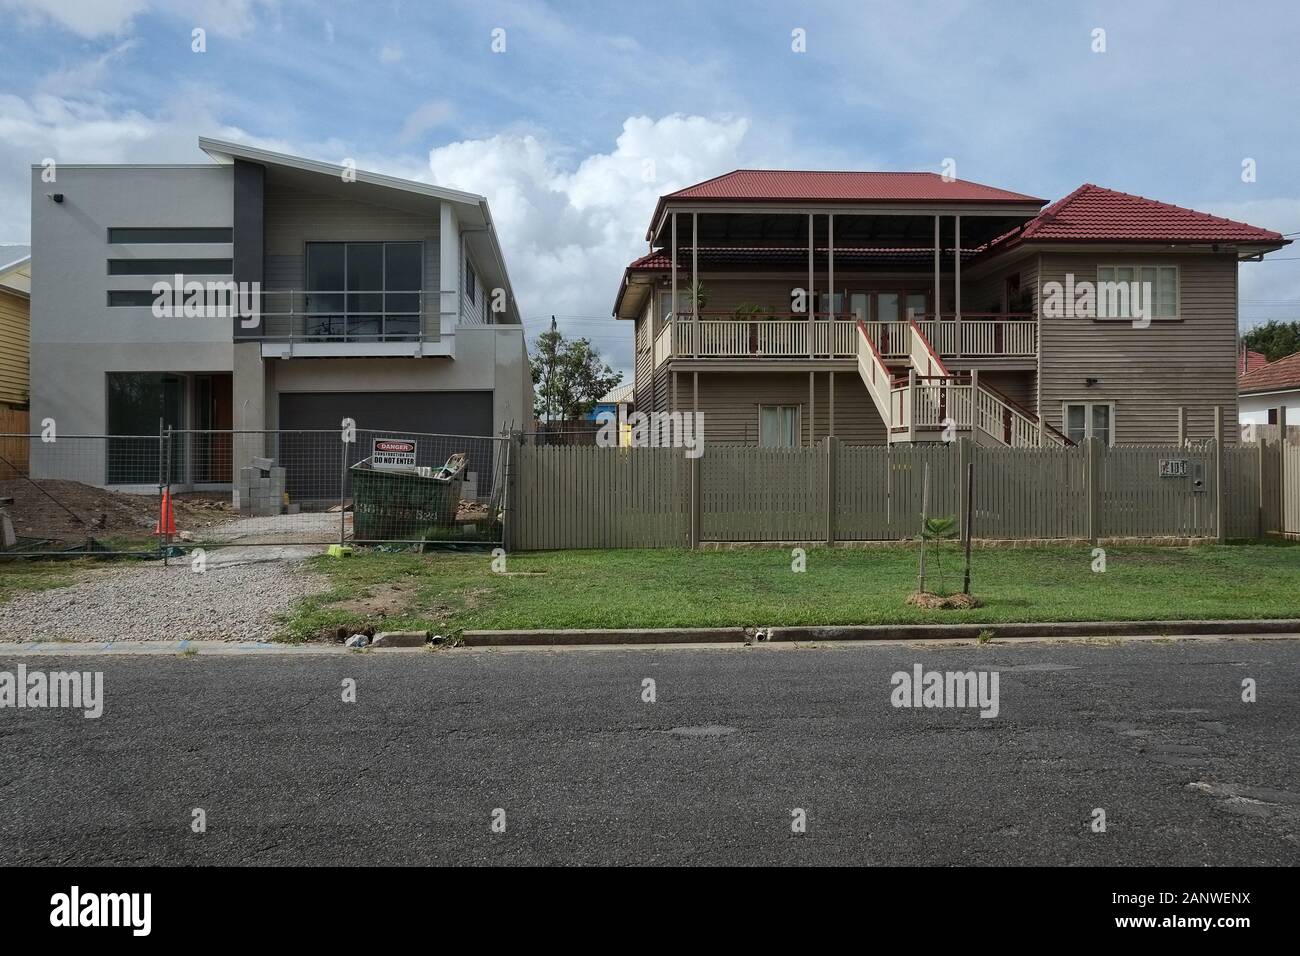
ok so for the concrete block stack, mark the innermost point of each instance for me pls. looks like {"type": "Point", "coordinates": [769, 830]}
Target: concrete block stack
{"type": "Point", "coordinates": [260, 490]}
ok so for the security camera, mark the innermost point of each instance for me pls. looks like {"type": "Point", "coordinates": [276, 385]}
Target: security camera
{"type": "Point", "coordinates": [57, 197]}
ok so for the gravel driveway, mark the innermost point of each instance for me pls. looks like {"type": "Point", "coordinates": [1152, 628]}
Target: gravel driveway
{"type": "Point", "coordinates": [236, 599]}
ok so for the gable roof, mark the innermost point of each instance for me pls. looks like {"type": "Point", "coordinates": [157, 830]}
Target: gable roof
{"type": "Point", "coordinates": [1276, 376]}
{"type": "Point", "coordinates": [1094, 214]}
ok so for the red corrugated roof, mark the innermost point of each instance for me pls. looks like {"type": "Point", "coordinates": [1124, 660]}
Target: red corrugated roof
{"type": "Point", "coordinates": [797, 185]}
{"type": "Point", "coordinates": [1094, 214]}
{"type": "Point", "coordinates": [1275, 376]}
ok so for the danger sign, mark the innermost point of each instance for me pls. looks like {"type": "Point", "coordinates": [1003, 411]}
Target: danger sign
{"type": "Point", "coordinates": [396, 454]}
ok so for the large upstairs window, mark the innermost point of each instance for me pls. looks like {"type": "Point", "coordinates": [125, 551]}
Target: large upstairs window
{"type": "Point", "coordinates": [364, 291]}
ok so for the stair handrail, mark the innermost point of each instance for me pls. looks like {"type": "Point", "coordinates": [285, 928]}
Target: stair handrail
{"type": "Point", "coordinates": [880, 383]}
{"type": "Point", "coordinates": [1017, 409]}
{"type": "Point", "coordinates": [927, 350]}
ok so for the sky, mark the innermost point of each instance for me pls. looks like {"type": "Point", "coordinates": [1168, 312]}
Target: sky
{"type": "Point", "coordinates": [573, 117]}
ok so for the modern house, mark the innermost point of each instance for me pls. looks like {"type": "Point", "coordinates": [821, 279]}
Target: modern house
{"type": "Point", "coordinates": [1269, 387]}
{"type": "Point", "coordinates": [883, 307]}
{"type": "Point", "coordinates": [379, 299]}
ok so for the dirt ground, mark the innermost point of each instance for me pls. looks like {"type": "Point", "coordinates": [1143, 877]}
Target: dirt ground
{"type": "Point", "coordinates": [102, 513]}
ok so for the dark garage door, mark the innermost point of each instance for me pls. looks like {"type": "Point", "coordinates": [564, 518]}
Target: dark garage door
{"type": "Point", "coordinates": [392, 414]}
{"type": "Point", "coordinates": [449, 413]}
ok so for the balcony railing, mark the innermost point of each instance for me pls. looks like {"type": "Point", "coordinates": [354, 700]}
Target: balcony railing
{"type": "Point", "coordinates": [976, 335]}
{"type": "Point", "coordinates": [322, 316]}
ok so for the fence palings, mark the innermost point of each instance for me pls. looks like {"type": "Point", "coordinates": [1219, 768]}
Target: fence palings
{"type": "Point", "coordinates": [603, 497]}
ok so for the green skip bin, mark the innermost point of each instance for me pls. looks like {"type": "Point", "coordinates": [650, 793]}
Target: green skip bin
{"type": "Point", "coordinates": [405, 505]}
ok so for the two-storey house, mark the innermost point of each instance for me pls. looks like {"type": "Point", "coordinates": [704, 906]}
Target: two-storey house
{"type": "Point", "coordinates": [379, 299]}
{"type": "Point", "coordinates": [873, 306]}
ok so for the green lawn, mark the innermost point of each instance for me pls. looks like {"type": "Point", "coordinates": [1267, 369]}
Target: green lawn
{"type": "Point", "coordinates": [666, 588]}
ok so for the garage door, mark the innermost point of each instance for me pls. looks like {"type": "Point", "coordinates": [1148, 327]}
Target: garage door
{"type": "Point", "coordinates": [449, 413]}
{"type": "Point", "coordinates": [392, 414]}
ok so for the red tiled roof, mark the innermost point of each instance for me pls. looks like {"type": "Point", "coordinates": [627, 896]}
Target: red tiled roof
{"type": "Point", "coordinates": [660, 261]}
{"type": "Point", "coordinates": [1248, 361]}
{"type": "Point", "coordinates": [1273, 377]}
{"type": "Point", "coordinates": [794, 185]}
{"type": "Point", "coordinates": [1094, 214]}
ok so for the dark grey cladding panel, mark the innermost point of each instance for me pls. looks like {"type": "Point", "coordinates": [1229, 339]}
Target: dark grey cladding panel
{"type": "Point", "coordinates": [249, 230]}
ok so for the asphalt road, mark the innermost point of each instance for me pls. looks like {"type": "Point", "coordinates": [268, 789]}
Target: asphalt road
{"type": "Point", "coordinates": [1156, 734]}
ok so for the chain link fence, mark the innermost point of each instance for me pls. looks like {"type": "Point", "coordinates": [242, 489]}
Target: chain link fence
{"type": "Point", "coordinates": [151, 495]}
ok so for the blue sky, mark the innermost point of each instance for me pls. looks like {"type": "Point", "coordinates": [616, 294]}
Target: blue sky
{"type": "Point", "coordinates": [557, 129]}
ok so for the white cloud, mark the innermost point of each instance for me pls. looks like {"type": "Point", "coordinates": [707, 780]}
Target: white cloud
{"type": "Point", "coordinates": [424, 118]}
{"type": "Point", "coordinates": [86, 18]}
{"type": "Point", "coordinates": [567, 235]}
{"type": "Point", "coordinates": [96, 18]}
{"type": "Point", "coordinates": [83, 79]}
{"type": "Point", "coordinates": [391, 53]}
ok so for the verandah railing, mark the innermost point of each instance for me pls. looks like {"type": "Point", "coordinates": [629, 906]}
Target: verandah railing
{"type": "Point", "coordinates": [773, 335]}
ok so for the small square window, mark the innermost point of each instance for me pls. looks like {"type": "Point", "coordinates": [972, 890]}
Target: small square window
{"type": "Point", "coordinates": [1084, 420]}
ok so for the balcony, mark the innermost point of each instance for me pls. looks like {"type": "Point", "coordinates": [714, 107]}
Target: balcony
{"type": "Point", "coordinates": [306, 324]}
{"type": "Point", "coordinates": [977, 335]}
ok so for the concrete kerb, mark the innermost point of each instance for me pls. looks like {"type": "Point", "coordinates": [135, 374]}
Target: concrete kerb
{"type": "Point", "coordinates": [651, 639]}
{"type": "Point", "coordinates": [870, 632]}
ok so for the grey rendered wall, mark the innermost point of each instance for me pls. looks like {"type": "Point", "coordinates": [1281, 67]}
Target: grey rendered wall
{"type": "Point", "coordinates": [488, 358]}
{"type": "Point", "coordinates": [76, 337]}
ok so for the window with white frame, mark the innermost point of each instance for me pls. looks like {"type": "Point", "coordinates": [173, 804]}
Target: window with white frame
{"type": "Point", "coordinates": [683, 303]}
{"type": "Point", "coordinates": [778, 426]}
{"type": "Point", "coordinates": [1084, 420]}
{"type": "Point", "coordinates": [1115, 286]}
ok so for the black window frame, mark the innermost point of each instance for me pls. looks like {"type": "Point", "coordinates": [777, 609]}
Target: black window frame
{"type": "Point", "coordinates": [169, 267]}
{"type": "Point", "coordinates": [169, 235]}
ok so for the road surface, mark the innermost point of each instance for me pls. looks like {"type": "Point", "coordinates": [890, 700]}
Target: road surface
{"type": "Point", "coordinates": [561, 747]}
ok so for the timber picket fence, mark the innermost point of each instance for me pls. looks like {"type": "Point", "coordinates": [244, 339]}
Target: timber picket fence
{"type": "Point", "coordinates": [596, 497]}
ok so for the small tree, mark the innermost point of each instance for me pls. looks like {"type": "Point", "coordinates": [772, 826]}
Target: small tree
{"type": "Point", "coordinates": [569, 375]}
{"type": "Point", "coordinates": [937, 530]}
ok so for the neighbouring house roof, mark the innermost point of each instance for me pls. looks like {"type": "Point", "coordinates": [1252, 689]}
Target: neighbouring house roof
{"type": "Point", "coordinates": [16, 273]}
{"type": "Point", "coordinates": [1248, 361]}
{"type": "Point", "coordinates": [618, 394]}
{"type": "Point", "coordinates": [1278, 376]}
{"type": "Point", "coordinates": [1090, 214]}
{"type": "Point", "coordinates": [1094, 214]}
{"type": "Point", "coordinates": [839, 186]}
{"type": "Point", "coordinates": [799, 185]}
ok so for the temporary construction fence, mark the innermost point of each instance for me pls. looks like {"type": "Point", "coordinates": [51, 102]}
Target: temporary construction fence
{"type": "Point", "coordinates": [597, 497]}
{"type": "Point", "coordinates": [124, 494]}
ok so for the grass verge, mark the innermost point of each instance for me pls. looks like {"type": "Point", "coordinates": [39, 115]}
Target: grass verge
{"type": "Point", "coordinates": [449, 593]}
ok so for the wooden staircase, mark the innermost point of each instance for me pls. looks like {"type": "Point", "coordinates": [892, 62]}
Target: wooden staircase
{"type": "Point", "coordinates": [931, 404]}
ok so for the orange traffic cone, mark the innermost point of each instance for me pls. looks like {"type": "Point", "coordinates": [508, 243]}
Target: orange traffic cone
{"type": "Point", "coordinates": [166, 519]}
